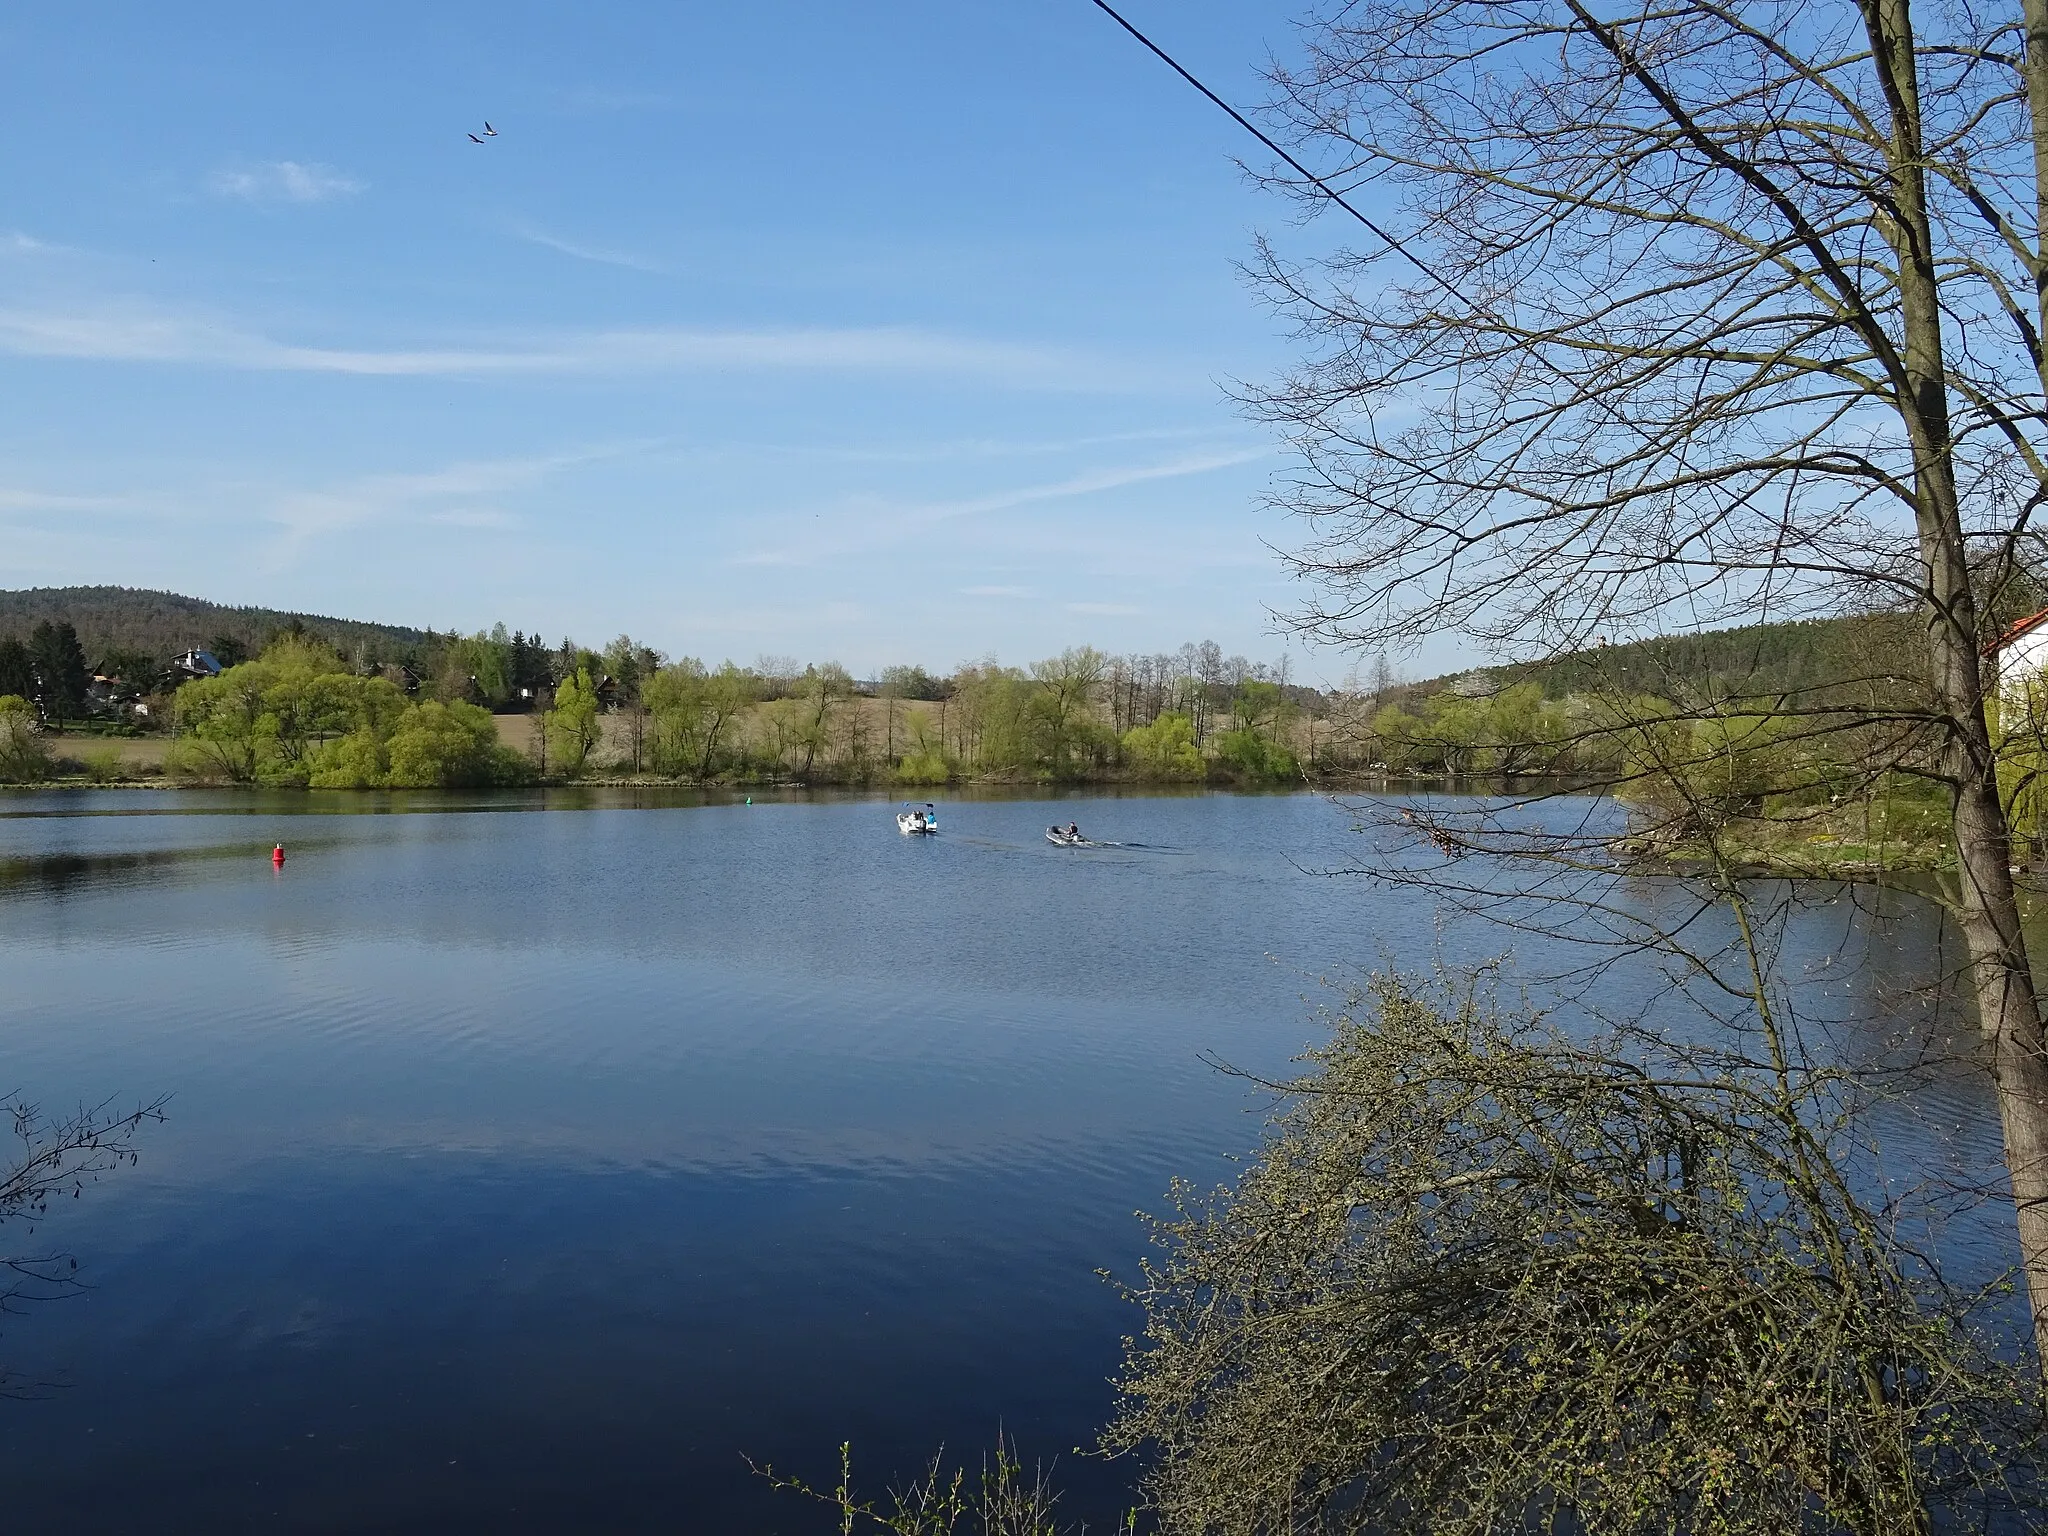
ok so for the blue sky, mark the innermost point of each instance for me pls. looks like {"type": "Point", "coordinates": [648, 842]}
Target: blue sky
{"type": "Point", "coordinates": [884, 333]}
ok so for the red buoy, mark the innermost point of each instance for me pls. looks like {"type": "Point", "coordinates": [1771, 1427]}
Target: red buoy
{"type": "Point", "coordinates": [277, 854]}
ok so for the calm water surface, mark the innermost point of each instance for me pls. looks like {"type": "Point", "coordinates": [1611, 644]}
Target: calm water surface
{"type": "Point", "coordinates": [528, 1171]}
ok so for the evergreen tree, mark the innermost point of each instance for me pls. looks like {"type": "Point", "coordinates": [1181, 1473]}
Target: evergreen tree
{"type": "Point", "coordinates": [530, 669]}
{"type": "Point", "coordinates": [17, 676]}
{"type": "Point", "coordinates": [137, 668]}
{"type": "Point", "coordinates": [59, 663]}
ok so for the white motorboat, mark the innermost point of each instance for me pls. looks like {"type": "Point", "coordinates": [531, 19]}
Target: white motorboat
{"type": "Point", "coordinates": [1060, 837]}
{"type": "Point", "coordinates": [917, 821]}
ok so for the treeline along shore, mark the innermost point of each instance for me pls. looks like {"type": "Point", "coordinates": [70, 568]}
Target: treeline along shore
{"type": "Point", "coordinates": [1728, 734]}
{"type": "Point", "coordinates": [287, 699]}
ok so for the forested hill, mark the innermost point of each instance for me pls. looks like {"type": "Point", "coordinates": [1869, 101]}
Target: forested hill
{"type": "Point", "coordinates": [163, 624]}
{"type": "Point", "coordinates": [1792, 657]}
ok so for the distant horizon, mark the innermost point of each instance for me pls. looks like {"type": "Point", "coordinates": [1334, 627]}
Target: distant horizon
{"type": "Point", "coordinates": [776, 661]}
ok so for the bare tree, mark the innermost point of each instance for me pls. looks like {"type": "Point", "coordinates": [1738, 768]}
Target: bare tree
{"type": "Point", "coordinates": [53, 1156]}
{"type": "Point", "coordinates": [1694, 309]}
{"type": "Point", "coordinates": [820, 689]}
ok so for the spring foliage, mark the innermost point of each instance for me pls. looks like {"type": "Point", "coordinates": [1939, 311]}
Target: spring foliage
{"type": "Point", "coordinates": [1166, 748]}
{"type": "Point", "coordinates": [1482, 1277]}
{"type": "Point", "coordinates": [24, 759]}
{"type": "Point", "coordinates": [572, 726]}
{"type": "Point", "coordinates": [296, 715]}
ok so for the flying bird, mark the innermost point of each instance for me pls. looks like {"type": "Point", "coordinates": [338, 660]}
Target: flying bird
{"type": "Point", "coordinates": [474, 139]}
{"type": "Point", "coordinates": [490, 132]}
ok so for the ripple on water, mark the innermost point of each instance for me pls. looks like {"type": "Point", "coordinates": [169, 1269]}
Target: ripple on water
{"type": "Point", "coordinates": [589, 1150]}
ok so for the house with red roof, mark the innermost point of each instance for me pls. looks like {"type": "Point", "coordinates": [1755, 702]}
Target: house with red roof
{"type": "Point", "coordinates": [2019, 657]}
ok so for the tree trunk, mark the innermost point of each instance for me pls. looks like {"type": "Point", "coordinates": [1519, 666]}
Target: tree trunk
{"type": "Point", "coordinates": [2000, 978]}
{"type": "Point", "coordinates": [811, 736]}
{"type": "Point", "coordinates": [2035, 68]}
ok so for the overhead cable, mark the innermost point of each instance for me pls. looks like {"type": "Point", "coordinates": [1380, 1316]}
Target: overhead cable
{"type": "Point", "coordinates": [1308, 175]}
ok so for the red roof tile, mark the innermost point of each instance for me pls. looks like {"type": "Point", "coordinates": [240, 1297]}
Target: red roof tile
{"type": "Point", "coordinates": [2026, 626]}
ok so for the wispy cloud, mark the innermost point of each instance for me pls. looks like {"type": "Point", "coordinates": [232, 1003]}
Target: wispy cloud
{"type": "Point", "coordinates": [950, 450]}
{"type": "Point", "coordinates": [904, 522]}
{"type": "Point", "coordinates": [1089, 482]}
{"type": "Point", "coordinates": [997, 592]}
{"type": "Point", "coordinates": [461, 497]}
{"type": "Point", "coordinates": [137, 334]}
{"type": "Point", "coordinates": [17, 499]}
{"type": "Point", "coordinates": [458, 495]}
{"type": "Point", "coordinates": [582, 252]}
{"type": "Point", "coordinates": [283, 181]}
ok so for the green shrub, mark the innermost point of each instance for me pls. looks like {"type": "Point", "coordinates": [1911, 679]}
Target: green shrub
{"type": "Point", "coordinates": [1489, 1275]}
{"type": "Point", "coordinates": [924, 768]}
{"type": "Point", "coordinates": [355, 761]}
{"type": "Point", "coordinates": [450, 746]}
{"type": "Point", "coordinates": [1254, 757]}
{"type": "Point", "coordinates": [1165, 749]}
{"type": "Point", "coordinates": [24, 756]}
{"type": "Point", "coordinates": [296, 717]}
{"type": "Point", "coordinates": [271, 720]}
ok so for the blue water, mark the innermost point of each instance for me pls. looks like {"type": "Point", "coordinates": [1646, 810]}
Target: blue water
{"type": "Point", "coordinates": [532, 1163]}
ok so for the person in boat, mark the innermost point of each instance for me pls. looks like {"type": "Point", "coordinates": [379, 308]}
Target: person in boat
{"type": "Point", "coordinates": [1073, 831]}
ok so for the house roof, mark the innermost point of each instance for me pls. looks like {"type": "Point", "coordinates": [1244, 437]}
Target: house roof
{"type": "Point", "coordinates": [2026, 626]}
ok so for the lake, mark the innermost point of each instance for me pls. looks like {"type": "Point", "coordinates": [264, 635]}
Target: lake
{"type": "Point", "coordinates": [533, 1161]}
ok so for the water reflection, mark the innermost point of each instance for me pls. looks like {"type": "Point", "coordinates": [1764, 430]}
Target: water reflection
{"type": "Point", "coordinates": [47, 1158]}
{"type": "Point", "coordinates": [531, 1168]}
{"type": "Point", "coordinates": [57, 874]}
